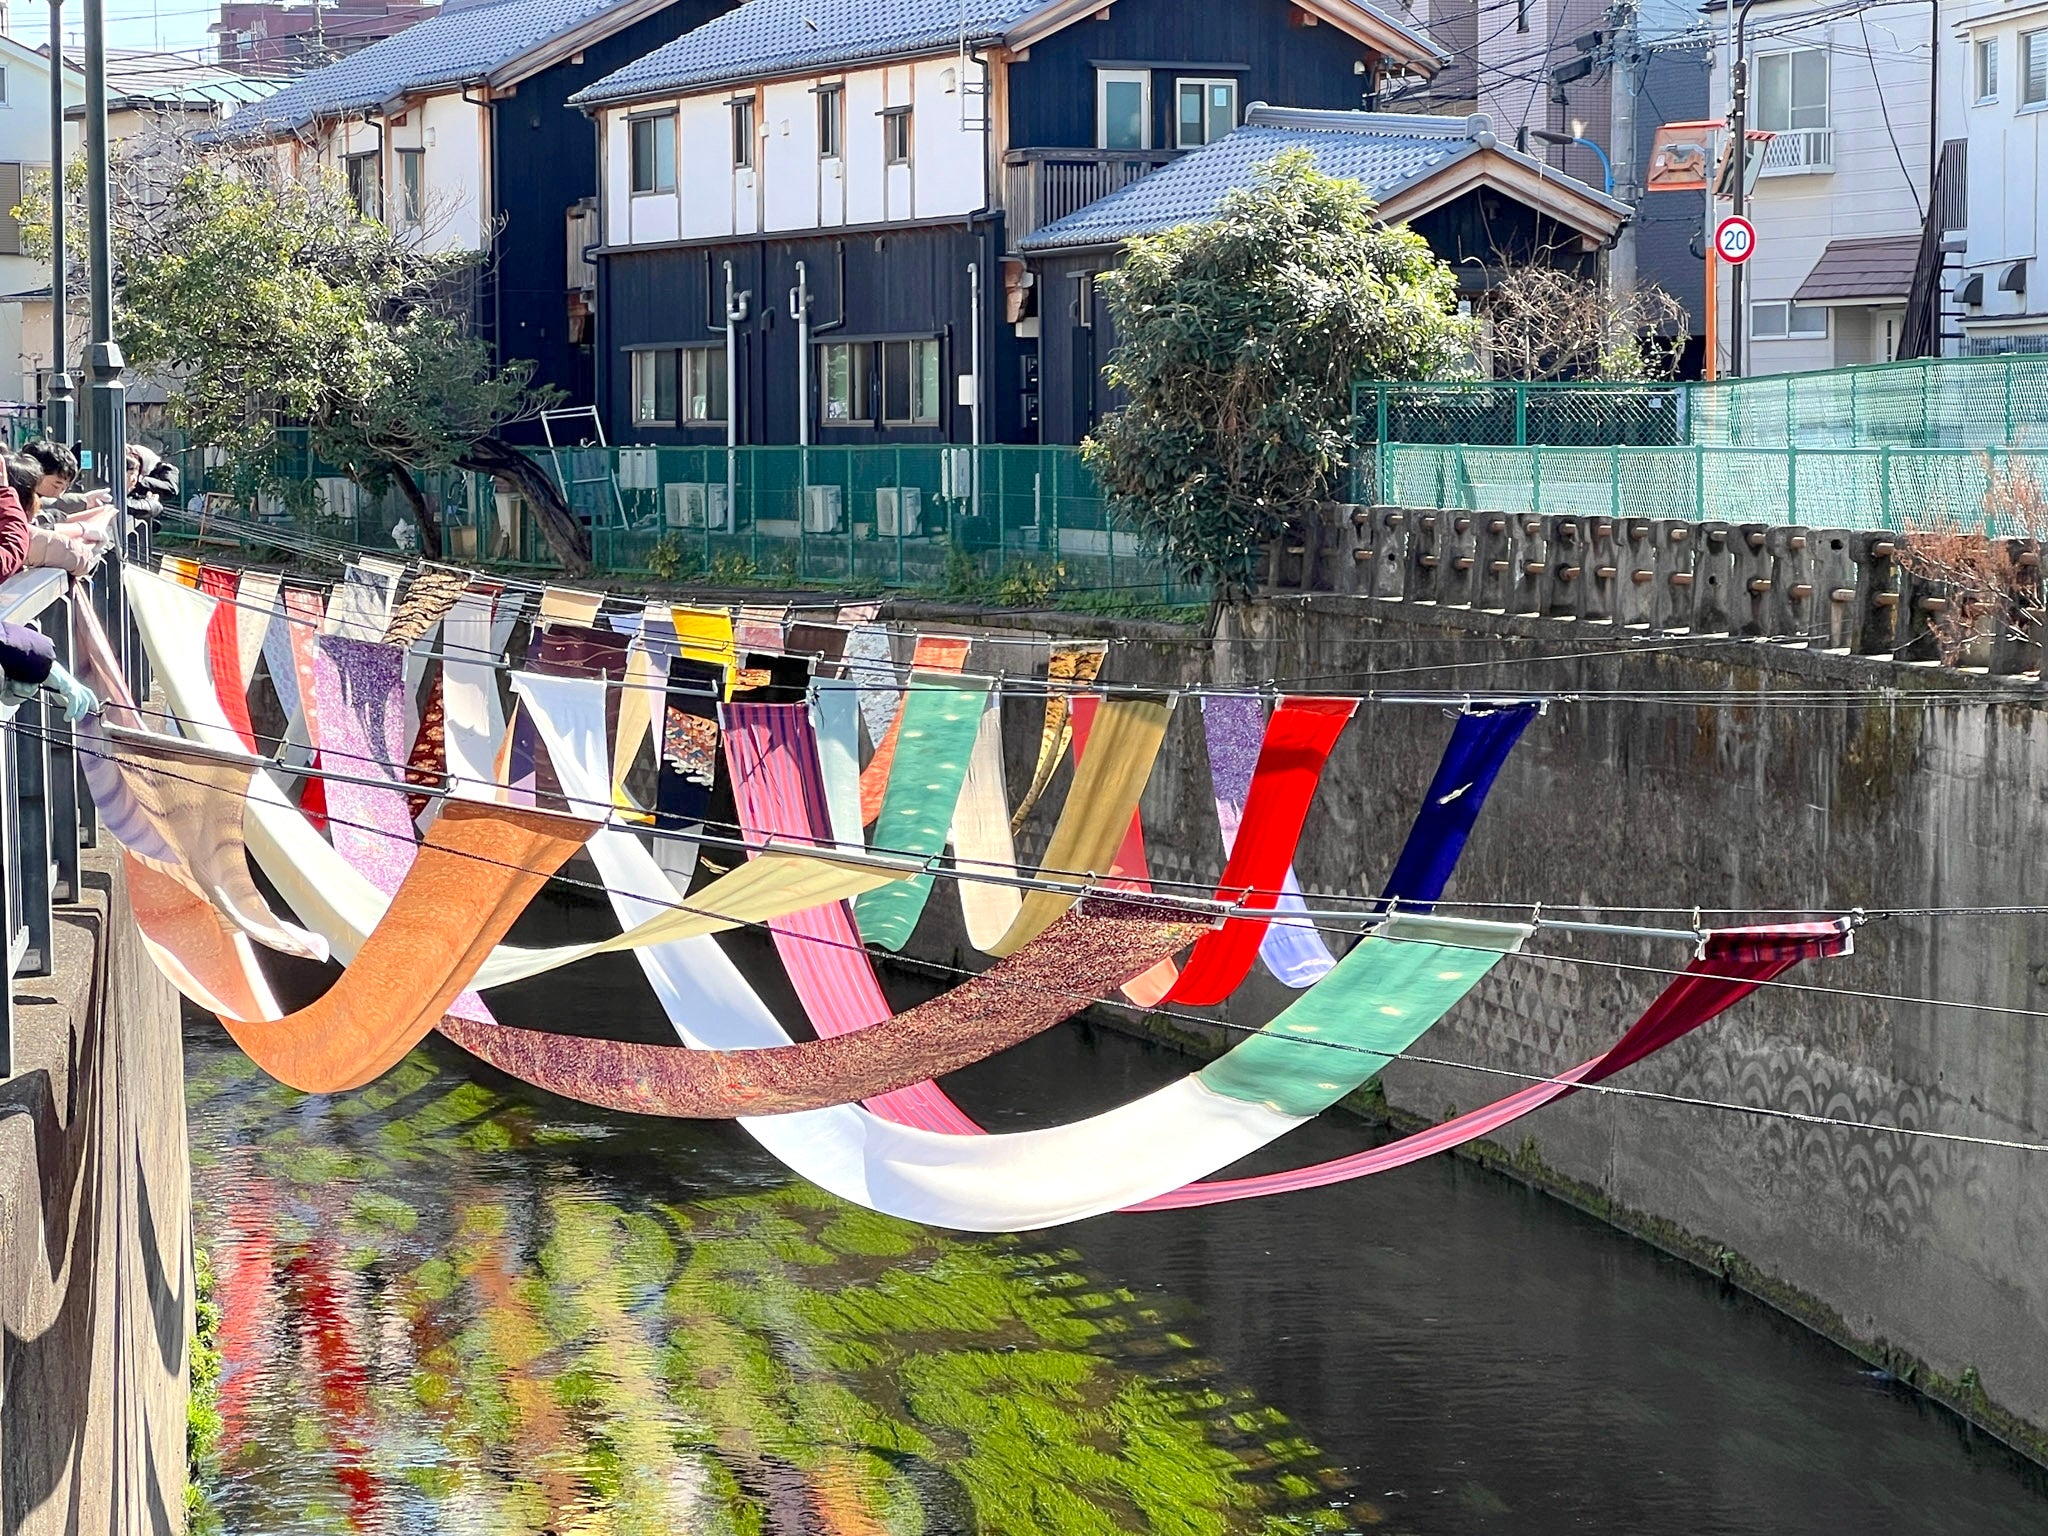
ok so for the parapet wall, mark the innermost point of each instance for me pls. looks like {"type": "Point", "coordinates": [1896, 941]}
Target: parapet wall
{"type": "Point", "coordinates": [1889, 786]}
{"type": "Point", "coordinates": [96, 1287]}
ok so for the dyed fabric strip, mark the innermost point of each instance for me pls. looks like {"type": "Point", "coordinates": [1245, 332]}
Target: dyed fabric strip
{"type": "Point", "coordinates": [871, 665]}
{"type": "Point", "coordinates": [567, 604]}
{"type": "Point", "coordinates": [428, 598]}
{"type": "Point", "coordinates": [473, 716]}
{"type": "Point", "coordinates": [207, 960]}
{"type": "Point", "coordinates": [1298, 742]}
{"type": "Point", "coordinates": [777, 793]}
{"type": "Point", "coordinates": [835, 722]}
{"type": "Point", "coordinates": [1478, 748]}
{"type": "Point", "coordinates": [938, 654]}
{"type": "Point", "coordinates": [479, 868]}
{"type": "Point", "coordinates": [706, 635]}
{"type": "Point", "coordinates": [640, 701]}
{"type": "Point", "coordinates": [1074, 667]}
{"type": "Point", "coordinates": [357, 684]}
{"type": "Point", "coordinates": [361, 606]}
{"type": "Point", "coordinates": [224, 653]}
{"type": "Point", "coordinates": [1011, 1182]}
{"type": "Point", "coordinates": [256, 604]}
{"type": "Point", "coordinates": [305, 617]}
{"type": "Point", "coordinates": [935, 738]}
{"type": "Point", "coordinates": [183, 571]}
{"type": "Point", "coordinates": [1101, 812]}
{"type": "Point", "coordinates": [426, 766]}
{"type": "Point", "coordinates": [761, 629]}
{"type": "Point", "coordinates": [981, 837]}
{"type": "Point", "coordinates": [1234, 726]}
{"type": "Point", "coordinates": [1737, 961]}
{"type": "Point", "coordinates": [765, 889]}
{"type": "Point", "coordinates": [1129, 869]}
{"type": "Point", "coordinates": [1083, 955]}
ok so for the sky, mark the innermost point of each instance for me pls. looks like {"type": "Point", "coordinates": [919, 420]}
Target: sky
{"type": "Point", "coordinates": [177, 26]}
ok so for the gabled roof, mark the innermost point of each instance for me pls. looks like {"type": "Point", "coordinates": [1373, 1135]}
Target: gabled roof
{"type": "Point", "coordinates": [765, 39]}
{"type": "Point", "coordinates": [481, 41]}
{"type": "Point", "coordinates": [1410, 164]}
{"type": "Point", "coordinates": [144, 78]}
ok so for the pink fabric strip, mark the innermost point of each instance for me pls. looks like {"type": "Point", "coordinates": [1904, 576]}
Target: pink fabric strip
{"type": "Point", "coordinates": [779, 791]}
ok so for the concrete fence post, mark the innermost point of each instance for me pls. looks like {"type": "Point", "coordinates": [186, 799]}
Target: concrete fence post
{"type": "Point", "coordinates": [1529, 541]}
{"type": "Point", "coordinates": [1567, 575]}
{"type": "Point", "coordinates": [1673, 543]}
{"type": "Point", "coordinates": [1750, 607]}
{"type": "Point", "coordinates": [1496, 561]}
{"type": "Point", "coordinates": [1838, 620]}
{"type": "Point", "coordinates": [1713, 580]}
{"type": "Point", "coordinates": [1425, 556]}
{"type": "Point", "coordinates": [1600, 574]}
{"type": "Point", "coordinates": [1636, 604]}
{"type": "Point", "coordinates": [1390, 528]}
{"type": "Point", "coordinates": [2016, 648]}
{"type": "Point", "coordinates": [1460, 574]}
{"type": "Point", "coordinates": [1880, 598]}
{"type": "Point", "coordinates": [1796, 604]}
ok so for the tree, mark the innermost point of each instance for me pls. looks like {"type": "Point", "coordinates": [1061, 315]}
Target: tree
{"type": "Point", "coordinates": [1547, 323]}
{"type": "Point", "coordinates": [265, 302]}
{"type": "Point", "coordinates": [1238, 340]}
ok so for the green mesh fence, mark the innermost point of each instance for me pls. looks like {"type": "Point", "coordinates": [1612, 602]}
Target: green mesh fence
{"type": "Point", "coordinates": [1973, 402]}
{"type": "Point", "coordinates": [1892, 488]}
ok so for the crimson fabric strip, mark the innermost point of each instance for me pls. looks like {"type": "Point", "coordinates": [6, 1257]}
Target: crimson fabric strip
{"type": "Point", "coordinates": [224, 650]}
{"type": "Point", "coordinates": [1737, 961]}
{"type": "Point", "coordinates": [1299, 739]}
{"type": "Point", "coordinates": [779, 791]}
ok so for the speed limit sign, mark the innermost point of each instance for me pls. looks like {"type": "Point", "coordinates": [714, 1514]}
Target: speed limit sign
{"type": "Point", "coordinates": [1735, 240]}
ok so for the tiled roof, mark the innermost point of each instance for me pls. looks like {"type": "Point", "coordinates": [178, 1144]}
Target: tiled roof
{"type": "Point", "coordinates": [458, 44]}
{"type": "Point", "coordinates": [765, 38]}
{"type": "Point", "coordinates": [787, 36]}
{"type": "Point", "coordinates": [1862, 269]}
{"type": "Point", "coordinates": [1386, 151]}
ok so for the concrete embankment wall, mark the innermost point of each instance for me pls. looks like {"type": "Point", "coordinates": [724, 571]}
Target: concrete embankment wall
{"type": "Point", "coordinates": [1922, 1254]}
{"type": "Point", "coordinates": [96, 1285]}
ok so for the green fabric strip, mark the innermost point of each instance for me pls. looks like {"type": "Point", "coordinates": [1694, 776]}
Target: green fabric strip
{"type": "Point", "coordinates": [940, 720]}
{"type": "Point", "coordinates": [1376, 1003]}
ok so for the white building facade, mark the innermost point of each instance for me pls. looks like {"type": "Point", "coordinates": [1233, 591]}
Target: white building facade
{"type": "Point", "coordinates": [25, 336]}
{"type": "Point", "coordinates": [1995, 113]}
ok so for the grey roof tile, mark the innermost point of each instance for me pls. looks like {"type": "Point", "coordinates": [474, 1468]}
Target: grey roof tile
{"type": "Point", "coordinates": [1880, 268]}
{"type": "Point", "coordinates": [460, 43]}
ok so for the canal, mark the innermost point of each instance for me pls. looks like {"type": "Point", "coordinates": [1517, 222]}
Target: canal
{"type": "Point", "coordinates": [450, 1304]}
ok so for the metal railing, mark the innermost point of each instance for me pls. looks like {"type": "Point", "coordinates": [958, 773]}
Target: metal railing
{"type": "Point", "coordinates": [1862, 488]}
{"type": "Point", "coordinates": [46, 814]}
{"type": "Point", "coordinates": [1799, 152]}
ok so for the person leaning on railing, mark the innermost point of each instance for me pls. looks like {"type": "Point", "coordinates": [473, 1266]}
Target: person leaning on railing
{"type": "Point", "coordinates": [73, 545]}
{"type": "Point", "coordinates": [28, 661]}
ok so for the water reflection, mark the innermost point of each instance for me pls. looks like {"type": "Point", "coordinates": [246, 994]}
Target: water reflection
{"type": "Point", "coordinates": [446, 1308]}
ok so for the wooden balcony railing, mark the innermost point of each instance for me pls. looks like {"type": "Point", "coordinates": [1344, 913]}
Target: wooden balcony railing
{"type": "Point", "coordinates": [1041, 186]}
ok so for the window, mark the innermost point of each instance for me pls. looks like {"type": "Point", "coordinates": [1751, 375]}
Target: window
{"type": "Point", "coordinates": [1208, 111]}
{"type": "Point", "coordinates": [896, 135]}
{"type": "Point", "coordinates": [1123, 109]}
{"type": "Point", "coordinates": [743, 135]}
{"type": "Point", "coordinates": [366, 185]}
{"type": "Point", "coordinates": [654, 153]}
{"type": "Point", "coordinates": [1987, 69]}
{"type": "Point", "coordinates": [910, 383]}
{"type": "Point", "coordinates": [831, 121]}
{"type": "Point", "coordinates": [846, 379]}
{"type": "Point", "coordinates": [679, 385]}
{"type": "Point", "coordinates": [10, 197]}
{"type": "Point", "coordinates": [412, 187]}
{"type": "Point", "coordinates": [1792, 90]}
{"type": "Point", "coordinates": [3, 87]}
{"type": "Point", "coordinates": [1521, 15]}
{"type": "Point", "coordinates": [2034, 67]}
{"type": "Point", "coordinates": [1783, 321]}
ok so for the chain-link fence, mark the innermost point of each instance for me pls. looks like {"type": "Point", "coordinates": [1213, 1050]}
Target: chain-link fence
{"type": "Point", "coordinates": [1884, 488]}
{"type": "Point", "coordinates": [1967, 403]}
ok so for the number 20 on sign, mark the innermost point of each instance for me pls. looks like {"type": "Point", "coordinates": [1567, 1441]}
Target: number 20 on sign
{"type": "Point", "coordinates": [1735, 240]}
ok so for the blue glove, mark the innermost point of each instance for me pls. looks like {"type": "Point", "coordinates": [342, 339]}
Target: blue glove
{"type": "Point", "coordinates": [14, 690]}
{"type": "Point", "coordinates": [79, 700]}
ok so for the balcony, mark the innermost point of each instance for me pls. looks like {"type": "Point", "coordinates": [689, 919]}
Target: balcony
{"type": "Point", "coordinates": [1800, 152]}
{"type": "Point", "coordinates": [1041, 186]}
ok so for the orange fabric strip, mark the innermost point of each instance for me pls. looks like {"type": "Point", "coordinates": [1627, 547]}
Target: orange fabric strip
{"type": "Point", "coordinates": [935, 653]}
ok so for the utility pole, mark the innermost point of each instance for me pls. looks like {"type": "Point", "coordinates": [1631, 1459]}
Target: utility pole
{"type": "Point", "coordinates": [107, 405]}
{"type": "Point", "coordinates": [60, 410]}
{"type": "Point", "coordinates": [1738, 159]}
{"type": "Point", "coordinates": [1621, 143]}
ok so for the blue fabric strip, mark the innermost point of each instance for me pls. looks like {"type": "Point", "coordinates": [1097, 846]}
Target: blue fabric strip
{"type": "Point", "coordinates": [1472, 760]}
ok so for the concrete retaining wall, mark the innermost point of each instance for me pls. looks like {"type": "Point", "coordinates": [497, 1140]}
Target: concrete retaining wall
{"type": "Point", "coordinates": [96, 1283]}
{"type": "Point", "coordinates": [1923, 1254]}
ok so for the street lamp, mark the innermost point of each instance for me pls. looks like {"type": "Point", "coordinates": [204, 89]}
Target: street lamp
{"type": "Point", "coordinates": [1574, 137]}
{"type": "Point", "coordinates": [59, 419]}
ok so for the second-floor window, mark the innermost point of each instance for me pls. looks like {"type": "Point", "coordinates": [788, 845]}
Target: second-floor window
{"type": "Point", "coordinates": [366, 185]}
{"type": "Point", "coordinates": [1987, 69]}
{"type": "Point", "coordinates": [412, 187]}
{"type": "Point", "coordinates": [1792, 90]}
{"type": "Point", "coordinates": [896, 136]}
{"type": "Point", "coordinates": [743, 135]}
{"type": "Point", "coordinates": [831, 121]}
{"type": "Point", "coordinates": [1208, 110]}
{"type": "Point", "coordinates": [654, 153]}
{"type": "Point", "coordinates": [2033, 68]}
{"type": "Point", "coordinates": [679, 386]}
{"type": "Point", "coordinates": [1123, 109]}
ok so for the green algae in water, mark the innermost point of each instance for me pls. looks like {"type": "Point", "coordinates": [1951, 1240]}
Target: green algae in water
{"type": "Point", "coordinates": [528, 1333]}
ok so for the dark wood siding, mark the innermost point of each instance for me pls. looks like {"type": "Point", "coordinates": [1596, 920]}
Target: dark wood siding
{"type": "Point", "coordinates": [544, 161]}
{"type": "Point", "coordinates": [1052, 93]}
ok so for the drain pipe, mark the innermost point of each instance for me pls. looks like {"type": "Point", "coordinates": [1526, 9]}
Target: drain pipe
{"type": "Point", "coordinates": [735, 311]}
{"type": "Point", "coordinates": [974, 406]}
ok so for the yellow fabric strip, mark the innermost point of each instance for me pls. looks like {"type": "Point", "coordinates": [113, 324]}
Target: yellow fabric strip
{"type": "Point", "coordinates": [639, 696]}
{"type": "Point", "coordinates": [772, 885]}
{"type": "Point", "coordinates": [1108, 782]}
{"type": "Point", "coordinates": [705, 634]}
{"type": "Point", "coordinates": [1071, 666]}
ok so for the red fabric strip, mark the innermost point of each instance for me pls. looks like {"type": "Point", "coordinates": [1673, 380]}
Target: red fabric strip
{"type": "Point", "coordinates": [1737, 962]}
{"type": "Point", "coordinates": [1299, 739]}
{"type": "Point", "coordinates": [224, 650]}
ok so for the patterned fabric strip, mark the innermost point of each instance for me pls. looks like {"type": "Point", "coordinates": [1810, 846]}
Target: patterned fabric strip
{"type": "Point", "coordinates": [937, 654]}
{"type": "Point", "coordinates": [1075, 667]}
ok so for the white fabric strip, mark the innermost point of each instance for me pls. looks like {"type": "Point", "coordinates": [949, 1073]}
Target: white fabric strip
{"type": "Point", "coordinates": [835, 720]}
{"type": "Point", "coordinates": [473, 717]}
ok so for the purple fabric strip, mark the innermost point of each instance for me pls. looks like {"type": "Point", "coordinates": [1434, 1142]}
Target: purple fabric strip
{"type": "Point", "coordinates": [1235, 729]}
{"type": "Point", "coordinates": [359, 701]}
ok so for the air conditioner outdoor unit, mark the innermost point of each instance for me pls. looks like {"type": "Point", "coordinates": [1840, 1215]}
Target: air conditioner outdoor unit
{"type": "Point", "coordinates": [639, 469]}
{"type": "Point", "coordinates": [694, 506]}
{"type": "Point", "coordinates": [956, 474]}
{"type": "Point", "coordinates": [825, 509]}
{"type": "Point", "coordinates": [899, 511]}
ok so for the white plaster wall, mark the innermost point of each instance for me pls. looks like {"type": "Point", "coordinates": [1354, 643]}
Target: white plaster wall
{"type": "Point", "coordinates": [790, 187]}
{"type": "Point", "coordinates": [453, 134]}
{"type": "Point", "coordinates": [2006, 220]}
